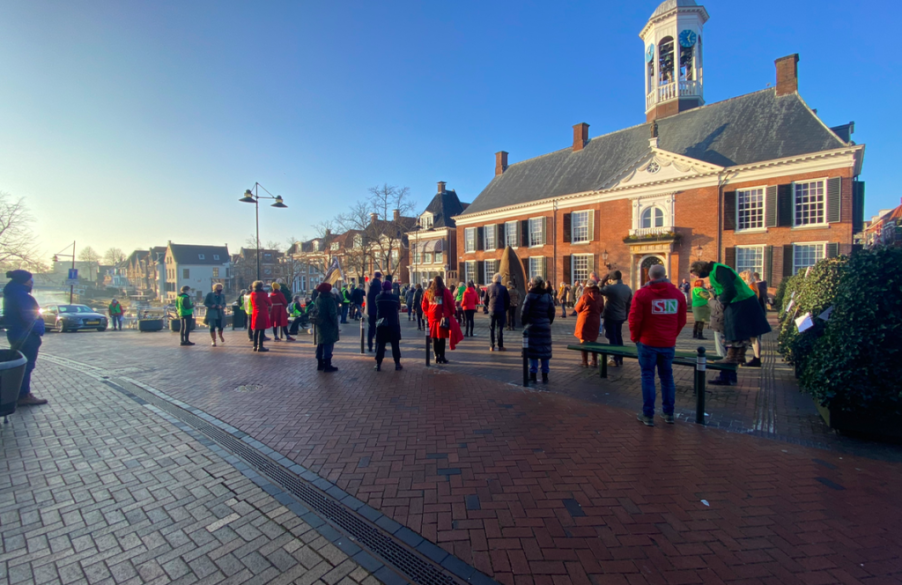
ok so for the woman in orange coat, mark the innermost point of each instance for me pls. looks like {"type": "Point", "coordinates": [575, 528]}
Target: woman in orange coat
{"type": "Point", "coordinates": [260, 309]}
{"type": "Point", "coordinates": [279, 313]}
{"type": "Point", "coordinates": [468, 304]}
{"type": "Point", "coordinates": [588, 320]}
{"type": "Point", "coordinates": [438, 305]}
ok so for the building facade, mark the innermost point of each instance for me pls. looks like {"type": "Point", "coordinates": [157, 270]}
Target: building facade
{"type": "Point", "coordinates": [433, 241]}
{"type": "Point", "coordinates": [758, 182]}
{"type": "Point", "coordinates": [199, 267]}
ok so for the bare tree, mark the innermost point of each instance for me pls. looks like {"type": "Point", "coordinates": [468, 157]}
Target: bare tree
{"type": "Point", "coordinates": [18, 246]}
{"type": "Point", "coordinates": [388, 231]}
{"type": "Point", "coordinates": [87, 254]}
{"type": "Point", "coordinates": [357, 251]}
{"type": "Point", "coordinates": [113, 257]}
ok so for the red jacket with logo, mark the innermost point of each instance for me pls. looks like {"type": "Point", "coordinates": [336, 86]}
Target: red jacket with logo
{"type": "Point", "coordinates": [657, 315]}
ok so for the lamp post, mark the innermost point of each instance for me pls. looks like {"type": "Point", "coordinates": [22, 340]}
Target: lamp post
{"type": "Point", "coordinates": [254, 197]}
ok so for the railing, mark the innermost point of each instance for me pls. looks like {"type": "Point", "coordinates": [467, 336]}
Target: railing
{"type": "Point", "coordinates": [651, 231]}
{"type": "Point", "coordinates": [671, 91]}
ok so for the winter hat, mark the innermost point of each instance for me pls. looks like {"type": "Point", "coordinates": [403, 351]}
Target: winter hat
{"type": "Point", "coordinates": [386, 286]}
{"type": "Point", "coordinates": [19, 276]}
{"type": "Point", "coordinates": [324, 287]}
{"type": "Point", "coordinates": [377, 274]}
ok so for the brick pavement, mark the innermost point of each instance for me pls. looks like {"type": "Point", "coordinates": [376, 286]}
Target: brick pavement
{"type": "Point", "coordinates": [96, 489]}
{"type": "Point", "coordinates": [540, 488]}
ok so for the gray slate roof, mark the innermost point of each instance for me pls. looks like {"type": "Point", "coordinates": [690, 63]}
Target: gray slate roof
{"type": "Point", "coordinates": [443, 207]}
{"type": "Point", "coordinates": [190, 254]}
{"type": "Point", "coordinates": [751, 128]}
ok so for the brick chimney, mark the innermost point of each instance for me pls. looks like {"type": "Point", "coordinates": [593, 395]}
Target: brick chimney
{"type": "Point", "coordinates": [787, 74]}
{"type": "Point", "coordinates": [500, 162]}
{"type": "Point", "coordinates": [373, 217]}
{"type": "Point", "coordinates": [396, 215]}
{"type": "Point", "coordinates": [580, 136]}
{"type": "Point", "coordinates": [441, 186]}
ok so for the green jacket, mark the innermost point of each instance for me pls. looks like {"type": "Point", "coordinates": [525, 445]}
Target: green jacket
{"type": "Point", "coordinates": [700, 297]}
{"type": "Point", "coordinates": [460, 293]}
{"type": "Point", "coordinates": [735, 288]}
{"type": "Point", "coordinates": [294, 309]}
{"type": "Point", "coordinates": [183, 305]}
{"type": "Point", "coordinates": [115, 309]}
{"type": "Point", "coordinates": [327, 326]}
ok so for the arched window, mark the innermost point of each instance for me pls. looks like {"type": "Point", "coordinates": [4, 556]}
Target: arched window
{"type": "Point", "coordinates": [686, 66]}
{"type": "Point", "coordinates": [665, 60]}
{"type": "Point", "coordinates": [653, 217]}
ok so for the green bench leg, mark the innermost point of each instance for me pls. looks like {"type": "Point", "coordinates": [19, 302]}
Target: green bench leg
{"type": "Point", "coordinates": [603, 366]}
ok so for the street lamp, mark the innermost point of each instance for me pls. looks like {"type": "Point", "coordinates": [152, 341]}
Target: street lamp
{"type": "Point", "coordinates": [255, 197]}
{"type": "Point", "coordinates": [698, 252]}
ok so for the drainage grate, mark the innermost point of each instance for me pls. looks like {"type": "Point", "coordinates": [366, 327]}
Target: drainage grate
{"type": "Point", "coordinates": [408, 563]}
{"type": "Point", "coordinates": [249, 388]}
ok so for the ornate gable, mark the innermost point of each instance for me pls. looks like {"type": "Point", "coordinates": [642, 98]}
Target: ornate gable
{"type": "Point", "coordinates": [660, 166]}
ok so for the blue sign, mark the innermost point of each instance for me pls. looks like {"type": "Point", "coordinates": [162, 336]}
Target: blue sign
{"type": "Point", "coordinates": [73, 274]}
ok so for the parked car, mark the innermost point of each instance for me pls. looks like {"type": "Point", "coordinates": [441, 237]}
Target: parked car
{"type": "Point", "coordinates": [64, 318]}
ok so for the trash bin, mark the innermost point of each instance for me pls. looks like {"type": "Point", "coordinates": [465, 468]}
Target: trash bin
{"type": "Point", "coordinates": [12, 370]}
{"type": "Point", "coordinates": [239, 317]}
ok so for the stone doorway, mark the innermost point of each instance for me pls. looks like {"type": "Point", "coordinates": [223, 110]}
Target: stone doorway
{"type": "Point", "coordinates": [645, 265]}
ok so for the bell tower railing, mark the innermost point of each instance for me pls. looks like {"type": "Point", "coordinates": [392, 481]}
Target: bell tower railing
{"type": "Point", "coordinates": [673, 90]}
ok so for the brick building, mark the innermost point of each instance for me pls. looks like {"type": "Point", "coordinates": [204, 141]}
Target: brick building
{"type": "Point", "coordinates": [758, 181]}
{"type": "Point", "coordinates": [433, 240]}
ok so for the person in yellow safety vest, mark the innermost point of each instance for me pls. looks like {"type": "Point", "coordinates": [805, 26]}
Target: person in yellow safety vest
{"type": "Point", "coordinates": [296, 312]}
{"type": "Point", "coordinates": [249, 310]}
{"type": "Point", "coordinates": [115, 310]}
{"type": "Point", "coordinates": [185, 309]}
{"type": "Point", "coordinates": [345, 303]}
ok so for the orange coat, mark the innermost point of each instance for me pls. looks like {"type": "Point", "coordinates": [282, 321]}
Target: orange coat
{"type": "Point", "coordinates": [588, 310]}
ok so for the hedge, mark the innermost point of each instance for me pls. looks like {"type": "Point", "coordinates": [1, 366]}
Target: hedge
{"type": "Point", "coordinates": [853, 362]}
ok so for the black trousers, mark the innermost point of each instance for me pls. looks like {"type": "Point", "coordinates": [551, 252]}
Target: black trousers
{"type": "Point", "coordinates": [613, 330]}
{"type": "Point", "coordinates": [470, 322]}
{"type": "Point", "coordinates": [395, 351]}
{"type": "Point", "coordinates": [259, 334]}
{"type": "Point", "coordinates": [184, 326]}
{"type": "Point", "coordinates": [371, 330]}
{"type": "Point", "coordinates": [512, 317]}
{"type": "Point", "coordinates": [497, 321]}
{"type": "Point", "coordinates": [438, 347]}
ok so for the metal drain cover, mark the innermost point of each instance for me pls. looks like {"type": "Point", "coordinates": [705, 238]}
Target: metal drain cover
{"type": "Point", "coordinates": [249, 388]}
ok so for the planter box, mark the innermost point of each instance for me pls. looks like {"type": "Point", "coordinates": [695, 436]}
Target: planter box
{"type": "Point", "coordinates": [862, 424]}
{"type": "Point", "coordinates": [150, 325]}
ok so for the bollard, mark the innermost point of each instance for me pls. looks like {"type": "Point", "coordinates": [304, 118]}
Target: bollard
{"type": "Point", "coordinates": [525, 360]}
{"type": "Point", "coordinates": [362, 334]}
{"type": "Point", "coordinates": [700, 367]}
{"type": "Point", "coordinates": [314, 335]}
{"type": "Point", "coordinates": [427, 347]}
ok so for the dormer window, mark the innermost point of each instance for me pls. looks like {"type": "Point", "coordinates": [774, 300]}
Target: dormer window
{"type": "Point", "coordinates": [334, 246]}
{"type": "Point", "coordinates": [358, 241]}
{"type": "Point", "coordinates": [216, 256]}
{"type": "Point", "coordinates": [200, 257]}
{"type": "Point", "coordinates": [426, 221]}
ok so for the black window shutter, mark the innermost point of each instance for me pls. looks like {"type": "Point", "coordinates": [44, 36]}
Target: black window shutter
{"type": "Point", "coordinates": [787, 260]}
{"type": "Point", "coordinates": [526, 273]}
{"type": "Point", "coordinates": [567, 268]}
{"type": "Point", "coordinates": [567, 236]}
{"type": "Point", "coordinates": [480, 234]}
{"type": "Point", "coordinates": [480, 272]}
{"type": "Point", "coordinates": [770, 207]}
{"type": "Point", "coordinates": [832, 250]}
{"type": "Point", "coordinates": [729, 211]}
{"type": "Point", "coordinates": [544, 230]}
{"type": "Point", "coordinates": [730, 257]}
{"type": "Point", "coordinates": [834, 199]}
{"type": "Point", "coordinates": [784, 206]}
{"type": "Point", "coordinates": [460, 270]}
{"type": "Point", "coordinates": [857, 206]}
{"type": "Point", "coordinates": [524, 233]}
{"type": "Point", "coordinates": [769, 264]}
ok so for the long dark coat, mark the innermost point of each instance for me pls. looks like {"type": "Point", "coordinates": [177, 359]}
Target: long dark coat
{"type": "Point", "coordinates": [388, 306]}
{"type": "Point", "coordinates": [327, 324]}
{"type": "Point", "coordinates": [538, 314]}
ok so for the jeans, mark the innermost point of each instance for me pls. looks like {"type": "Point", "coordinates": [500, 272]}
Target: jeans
{"type": "Point", "coordinates": [662, 359]}
{"type": "Point", "coordinates": [613, 330]}
{"type": "Point", "coordinates": [534, 366]}
{"type": "Point", "coordinates": [410, 312]}
{"type": "Point", "coordinates": [324, 351]}
{"type": "Point", "coordinates": [470, 322]}
{"type": "Point", "coordinates": [344, 313]}
{"type": "Point", "coordinates": [497, 320]}
{"type": "Point", "coordinates": [395, 351]}
{"type": "Point", "coordinates": [29, 349]}
{"type": "Point", "coordinates": [116, 320]}
{"type": "Point", "coordinates": [564, 310]}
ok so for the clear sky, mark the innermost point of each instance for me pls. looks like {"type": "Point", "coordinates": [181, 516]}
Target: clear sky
{"type": "Point", "coordinates": [132, 123]}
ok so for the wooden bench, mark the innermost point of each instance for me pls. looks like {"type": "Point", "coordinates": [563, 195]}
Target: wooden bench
{"type": "Point", "coordinates": [693, 359]}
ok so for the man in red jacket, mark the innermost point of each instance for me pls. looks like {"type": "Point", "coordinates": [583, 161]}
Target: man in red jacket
{"type": "Point", "coordinates": [657, 316]}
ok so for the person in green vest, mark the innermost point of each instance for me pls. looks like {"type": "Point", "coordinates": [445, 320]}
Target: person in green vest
{"type": "Point", "coordinates": [115, 310]}
{"type": "Point", "coordinates": [345, 303]}
{"type": "Point", "coordinates": [295, 312]}
{"type": "Point", "coordinates": [743, 317]}
{"type": "Point", "coordinates": [458, 301]}
{"type": "Point", "coordinates": [184, 307]}
{"type": "Point", "coordinates": [701, 312]}
{"type": "Point", "coordinates": [248, 310]}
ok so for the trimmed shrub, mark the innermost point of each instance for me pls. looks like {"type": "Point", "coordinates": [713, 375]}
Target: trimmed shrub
{"type": "Point", "coordinates": [855, 362]}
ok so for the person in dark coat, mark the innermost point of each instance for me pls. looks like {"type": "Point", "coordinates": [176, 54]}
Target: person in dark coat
{"type": "Point", "coordinates": [514, 304]}
{"type": "Point", "coordinates": [24, 328]}
{"type": "Point", "coordinates": [418, 305]}
{"type": "Point", "coordinates": [327, 333]}
{"type": "Point", "coordinates": [375, 287]}
{"type": "Point", "coordinates": [388, 325]}
{"type": "Point", "coordinates": [499, 303]}
{"type": "Point", "coordinates": [358, 296]}
{"type": "Point", "coordinates": [215, 317]}
{"type": "Point", "coordinates": [538, 315]}
{"type": "Point", "coordinates": [618, 298]}
{"type": "Point", "coordinates": [408, 300]}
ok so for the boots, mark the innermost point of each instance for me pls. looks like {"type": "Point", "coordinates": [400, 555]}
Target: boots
{"type": "Point", "coordinates": [695, 331]}
{"type": "Point", "coordinates": [532, 377]}
{"type": "Point", "coordinates": [740, 355]}
{"type": "Point", "coordinates": [328, 367]}
{"type": "Point", "coordinates": [701, 331]}
{"type": "Point", "coordinates": [213, 336]}
{"type": "Point", "coordinates": [544, 377]}
{"type": "Point", "coordinates": [754, 363]}
{"type": "Point", "coordinates": [320, 364]}
{"type": "Point", "coordinates": [586, 359]}
{"type": "Point", "coordinates": [221, 338]}
{"type": "Point", "coordinates": [732, 356]}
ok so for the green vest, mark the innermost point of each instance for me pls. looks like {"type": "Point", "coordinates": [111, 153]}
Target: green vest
{"type": "Point", "coordinates": [247, 304]}
{"type": "Point", "coordinates": [115, 309]}
{"type": "Point", "coordinates": [184, 306]}
{"type": "Point", "coordinates": [295, 310]}
{"type": "Point", "coordinates": [700, 297]}
{"type": "Point", "coordinates": [743, 291]}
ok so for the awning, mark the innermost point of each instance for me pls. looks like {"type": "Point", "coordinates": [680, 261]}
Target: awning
{"type": "Point", "coordinates": [435, 245]}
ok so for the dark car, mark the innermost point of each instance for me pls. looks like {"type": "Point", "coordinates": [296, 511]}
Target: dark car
{"type": "Point", "coordinates": [64, 318]}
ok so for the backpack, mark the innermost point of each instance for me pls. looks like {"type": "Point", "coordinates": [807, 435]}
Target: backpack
{"type": "Point", "coordinates": [313, 315]}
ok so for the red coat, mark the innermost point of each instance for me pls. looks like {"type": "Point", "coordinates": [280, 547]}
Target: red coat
{"type": "Point", "coordinates": [278, 315]}
{"type": "Point", "coordinates": [260, 307]}
{"type": "Point", "coordinates": [588, 310]}
{"type": "Point", "coordinates": [657, 314]}
{"type": "Point", "coordinates": [435, 312]}
{"type": "Point", "coordinates": [470, 300]}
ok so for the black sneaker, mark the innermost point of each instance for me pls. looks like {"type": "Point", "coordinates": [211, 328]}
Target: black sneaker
{"type": "Point", "coordinates": [646, 420]}
{"type": "Point", "coordinates": [668, 418]}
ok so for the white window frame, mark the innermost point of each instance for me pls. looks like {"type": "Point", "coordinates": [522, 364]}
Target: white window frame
{"type": "Point", "coordinates": [426, 221]}
{"type": "Point", "coordinates": [486, 231]}
{"type": "Point", "coordinates": [763, 227]}
{"type": "Point", "coordinates": [439, 257]}
{"type": "Point", "coordinates": [532, 272]}
{"type": "Point", "coordinates": [427, 258]}
{"type": "Point", "coordinates": [490, 267]}
{"type": "Point", "coordinates": [469, 270]}
{"type": "Point", "coordinates": [823, 182]}
{"type": "Point", "coordinates": [573, 234]}
{"type": "Point", "coordinates": [516, 233]}
{"type": "Point", "coordinates": [540, 221]}
{"type": "Point", "coordinates": [469, 239]}
{"type": "Point", "coordinates": [215, 272]}
{"type": "Point", "coordinates": [760, 268]}
{"type": "Point", "coordinates": [651, 209]}
{"type": "Point", "coordinates": [574, 276]}
{"type": "Point", "coordinates": [796, 245]}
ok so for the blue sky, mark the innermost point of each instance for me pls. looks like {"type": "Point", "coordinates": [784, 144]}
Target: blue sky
{"type": "Point", "coordinates": [131, 123]}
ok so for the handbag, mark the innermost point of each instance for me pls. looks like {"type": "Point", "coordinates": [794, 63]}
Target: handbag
{"type": "Point", "coordinates": [445, 323]}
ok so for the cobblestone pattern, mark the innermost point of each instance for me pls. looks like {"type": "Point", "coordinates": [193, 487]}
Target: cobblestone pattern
{"type": "Point", "coordinates": [96, 489]}
{"type": "Point", "coordinates": [540, 488]}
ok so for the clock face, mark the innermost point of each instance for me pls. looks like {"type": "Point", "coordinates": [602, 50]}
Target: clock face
{"type": "Point", "coordinates": [688, 38]}
{"type": "Point", "coordinates": [650, 53]}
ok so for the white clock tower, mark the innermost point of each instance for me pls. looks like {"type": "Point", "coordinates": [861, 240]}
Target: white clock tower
{"type": "Point", "coordinates": [673, 58]}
